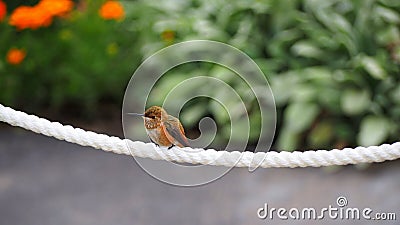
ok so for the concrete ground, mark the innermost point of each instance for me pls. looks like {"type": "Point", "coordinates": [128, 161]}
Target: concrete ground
{"type": "Point", "coordinates": [47, 181]}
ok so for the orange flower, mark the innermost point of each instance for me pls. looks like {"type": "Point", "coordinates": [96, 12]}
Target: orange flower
{"type": "Point", "coordinates": [40, 15]}
{"type": "Point", "coordinates": [34, 17]}
{"type": "Point", "coordinates": [112, 10]}
{"type": "Point", "coordinates": [3, 10]}
{"type": "Point", "coordinates": [56, 7]}
{"type": "Point", "coordinates": [15, 56]}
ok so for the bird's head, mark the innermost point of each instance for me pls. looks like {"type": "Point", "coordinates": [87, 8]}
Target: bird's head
{"type": "Point", "coordinates": [152, 116]}
{"type": "Point", "coordinates": [155, 113]}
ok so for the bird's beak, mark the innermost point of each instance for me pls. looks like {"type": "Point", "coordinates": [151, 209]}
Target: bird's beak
{"type": "Point", "coordinates": [135, 114]}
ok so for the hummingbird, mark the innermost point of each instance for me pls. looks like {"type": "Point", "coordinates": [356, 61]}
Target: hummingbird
{"type": "Point", "coordinates": [163, 129]}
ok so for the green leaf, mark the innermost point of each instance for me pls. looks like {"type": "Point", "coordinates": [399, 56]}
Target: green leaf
{"type": "Point", "coordinates": [391, 3]}
{"type": "Point", "coordinates": [373, 67]}
{"type": "Point", "coordinates": [300, 115]}
{"type": "Point", "coordinates": [305, 92]}
{"type": "Point", "coordinates": [317, 74]}
{"type": "Point", "coordinates": [389, 15]}
{"type": "Point", "coordinates": [355, 101]}
{"type": "Point", "coordinates": [373, 131]}
{"type": "Point", "coordinates": [334, 21]}
{"type": "Point", "coordinates": [306, 49]}
{"type": "Point", "coordinates": [287, 140]}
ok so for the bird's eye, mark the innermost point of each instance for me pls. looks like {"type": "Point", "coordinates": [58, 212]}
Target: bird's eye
{"type": "Point", "coordinates": [152, 117]}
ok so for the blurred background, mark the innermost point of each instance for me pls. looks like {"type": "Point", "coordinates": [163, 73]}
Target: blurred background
{"type": "Point", "coordinates": [333, 67]}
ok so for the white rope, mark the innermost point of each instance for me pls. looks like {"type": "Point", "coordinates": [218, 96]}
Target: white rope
{"type": "Point", "coordinates": [199, 156]}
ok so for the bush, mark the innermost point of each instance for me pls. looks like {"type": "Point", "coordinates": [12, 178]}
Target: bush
{"type": "Point", "coordinates": [339, 58]}
{"type": "Point", "coordinates": [80, 59]}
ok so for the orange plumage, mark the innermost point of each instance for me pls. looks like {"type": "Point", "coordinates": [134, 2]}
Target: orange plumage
{"type": "Point", "coordinates": [163, 129]}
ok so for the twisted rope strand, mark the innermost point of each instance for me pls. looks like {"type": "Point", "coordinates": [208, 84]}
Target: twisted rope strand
{"type": "Point", "coordinates": [199, 156]}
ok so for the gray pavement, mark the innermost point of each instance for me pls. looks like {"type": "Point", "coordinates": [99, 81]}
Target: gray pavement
{"type": "Point", "coordinates": [47, 181]}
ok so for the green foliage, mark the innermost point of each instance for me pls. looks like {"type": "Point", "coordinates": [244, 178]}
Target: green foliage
{"type": "Point", "coordinates": [78, 60]}
{"type": "Point", "coordinates": [373, 130]}
{"type": "Point", "coordinates": [333, 65]}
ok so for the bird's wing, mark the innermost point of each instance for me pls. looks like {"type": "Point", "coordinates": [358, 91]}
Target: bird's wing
{"type": "Point", "coordinates": [174, 133]}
